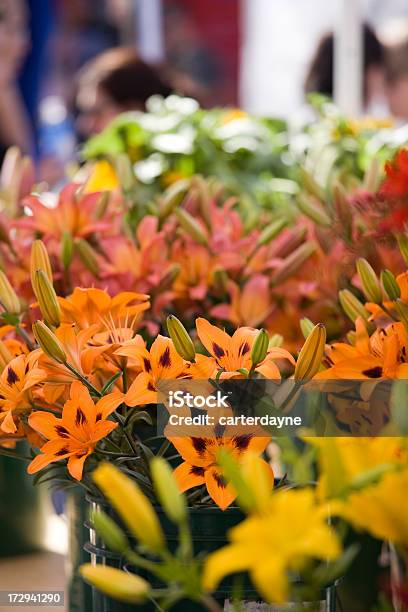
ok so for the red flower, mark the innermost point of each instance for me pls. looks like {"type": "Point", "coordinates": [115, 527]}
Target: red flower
{"type": "Point", "coordinates": [396, 183]}
{"type": "Point", "coordinates": [397, 220]}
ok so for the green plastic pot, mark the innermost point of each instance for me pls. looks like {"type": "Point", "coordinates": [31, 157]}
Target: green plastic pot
{"type": "Point", "coordinates": [360, 587]}
{"type": "Point", "coordinates": [22, 510]}
{"type": "Point", "coordinates": [209, 527]}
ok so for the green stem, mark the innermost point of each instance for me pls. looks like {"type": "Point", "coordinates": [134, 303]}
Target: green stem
{"type": "Point", "coordinates": [131, 443]}
{"type": "Point", "coordinates": [136, 559]}
{"type": "Point", "coordinates": [125, 380]}
{"type": "Point", "coordinates": [210, 603]}
{"type": "Point", "coordinates": [290, 396]}
{"type": "Point", "coordinates": [7, 453]}
{"type": "Point", "coordinates": [185, 546]}
{"type": "Point", "coordinates": [115, 455]}
{"type": "Point", "coordinates": [164, 448]}
{"type": "Point", "coordinates": [25, 337]}
{"type": "Point", "coordinates": [389, 313]}
{"type": "Point", "coordinates": [83, 379]}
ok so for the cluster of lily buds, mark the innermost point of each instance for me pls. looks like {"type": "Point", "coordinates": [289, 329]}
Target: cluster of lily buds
{"type": "Point", "coordinates": [350, 212]}
{"type": "Point", "coordinates": [194, 254]}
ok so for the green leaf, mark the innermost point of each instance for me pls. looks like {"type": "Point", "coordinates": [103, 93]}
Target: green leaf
{"type": "Point", "coordinates": [110, 382]}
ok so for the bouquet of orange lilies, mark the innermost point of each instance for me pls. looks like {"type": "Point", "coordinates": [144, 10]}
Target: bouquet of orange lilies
{"type": "Point", "coordinates": [79, 384]}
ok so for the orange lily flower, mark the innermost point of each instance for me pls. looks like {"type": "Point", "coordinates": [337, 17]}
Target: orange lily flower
{"type": "Point", "coordinates": [376, 310]}
{"type": "Point", "coordinates": [23, 432]}
{"type": "Point", "coordinates": [200, 465]}
{"type": "Point", "coordinates": [74, 213]}
{"type": "Point", "coordinates": [75, 434]}
{"type": "Point", "coordinates": [384, 355]}
{"type": "Point", "coordinates": [81, 355]}
{"type": "Point", "coordinates": [233, 353]}
{"type": "Point", "coordinates": [194, 277]}
{"type": "Point", "coordinates": [142, 266]}
{"type": "Point", "coordinates": [161, 362]}
{"type": "Point", "coordinates": [250, 305]}
{"type": "Point", "coordinates": [16, 383]}
{"type": "Point", "coordinates": [13, 344]}
{"type": "Point", "coordinates": [86, 307]}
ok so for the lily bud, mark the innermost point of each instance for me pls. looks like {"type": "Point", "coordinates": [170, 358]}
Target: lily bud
{"type": "Point", "coordinates": [47, 299]}
{"type": "Point", "coordinates": [369, 281]}
{"type": "Point", "coordinates": [67, 247]}
{"type": "Point", "coordinates": [39, 261]}
{"type": "Point", "coordinates": [88, 256]}
{"type": "Point", "coordinates": [110, 532]}
{"type": "Point", "coordinates": [271, 231]}
{"type": "Point", "coordinates": [352, 306]}
{"type": "Point", "coordinates": [306, 326]}
{"type": "Point", "coordinates": [191, 226]}
{"type": "Point", "coordinates": [311, 185]}
{"type": "Point", "coordinates": [49, 342]}
{"type": "Point", "coordinates": [102, 205]}
{"type": "Point", "coordinates": [276, 341]}
{"type": "Point", "coordinates": [291, 241]}
{"type": "Point", "coordinates": [124, 171]}
{"type": "Point", "coordinates": [168, 278]}
{"type": "Point", "coordinates": [4, 235]}
{"type": "Point", "coordinates": [131, 505]}
{"type": "Point", "coordinates": [315, 211]}
{"type": "Point", "coordinates": [5, 356]}
{"type": "Point", "coordinates": [220, 280]}
{"type": "Point", "coordinates": [167, 490]}
{"type": "Point", "coordinates": [351, 337]}
{"type": "Point", "coordinates": [342, 207]}
{"type": "Point", "coordinates": [259, 478]}
{"type": "Point", "coordinates": [293, 262]}
{"type": "Point", "coordinates": [204, 199]}
{"type": "Point", "coordinates": [181, 339]}
{"type": "Point", "coordinates": [390, 285]}
{"type": "Point", "coordinates": [233, 474]}
{"type": "Point", "coordinates": [402, 309]}
{"type": "Point", "coordinates": [173, 197]}
{"type": "Point", "coordinates": [116, 583]}
{"type": "Point", "coordinates": [403, 247]}
{"type": "Point", "coordinates": [372, 176]}
{"type": "Point", "coordinates": [260, 348]}
{"type": "Point", "coordinates": [311, 355]}
{"type": "Point", "coordinates": [8, 296]}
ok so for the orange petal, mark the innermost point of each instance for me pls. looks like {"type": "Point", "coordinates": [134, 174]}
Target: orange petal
{"type": "Point", "coordinates": [221, 493]}
{"type": "Point", "coordinates": [108, 403]}
{"type": "Point", "coordinates": [76, 465]}
{"type": "Point", "coordinates": [39, 462]}
{"type": "Point", "coordinates": [196, 451]}
{"type": "Point", "coordinates": [140, 391]}
{"type": "Point", "coordinates": [188, 476]}
{"type": "Point", "coordinates": [216, 341]}
{"type": "Point", "coordinates": [45, 423]}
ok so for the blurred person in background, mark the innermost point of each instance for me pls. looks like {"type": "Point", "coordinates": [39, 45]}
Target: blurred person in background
{"type": "Point", "coordinates": [14, 45]}
{"type": "Point", "coordinates": [320, 76]}
{"type": "Point", "coordinates": [397, 80]}
{"type": "Point", "coordinates": [114, 82]}
{"type": "Point", "coordinates": [41, 16]}
{"type": "Point", "coordinates": [193, 67]}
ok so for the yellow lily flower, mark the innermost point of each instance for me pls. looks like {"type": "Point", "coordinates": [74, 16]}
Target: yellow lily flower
{"type": "Point", "coordinates": [381, 509]}
{"type": "Point", "coordinates": [102, 178]}
{"type": "Point", "coordinates": [344, 461]}
{"type": "Point", "coordinates": [269, 545]}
